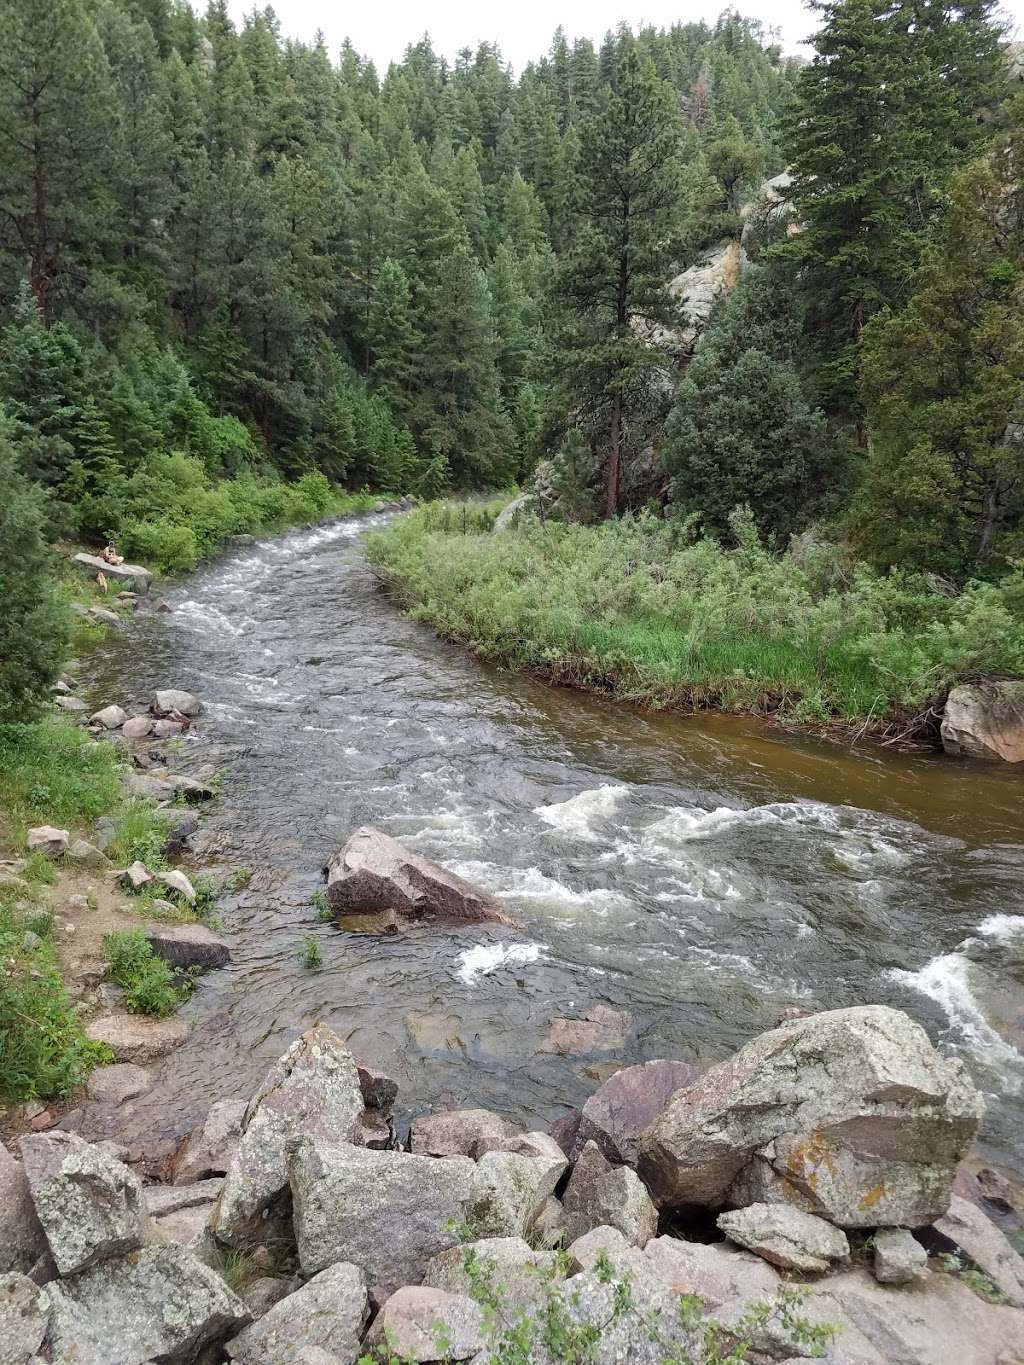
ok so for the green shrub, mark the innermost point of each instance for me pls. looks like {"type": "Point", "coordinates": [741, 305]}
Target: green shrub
{"type": "Point", "coordinates": [311, 954]}
{"type": "Point", "coordinates": [149, 985]}
{"type": "Point", "coordinates": [33, 623]}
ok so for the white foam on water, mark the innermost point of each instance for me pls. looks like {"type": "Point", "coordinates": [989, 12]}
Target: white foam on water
{"type": "Point", "coordinates": [1002, 927]}
{"type": "Point", "coordinates": [577, 815]}
{"type": "Point", "coordinates": [946, 980]}
{"type": "Point", "coordinates": [517, 883]}
{"type": "Point", "coordinates": [684, 823]}
{"type": "Point", "coordinates": [212, 619]}
{"type": "Point", "coordinates": [486, 958]}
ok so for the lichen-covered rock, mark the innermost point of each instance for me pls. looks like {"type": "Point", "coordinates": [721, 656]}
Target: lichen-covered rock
{"type": "Point", "coordinates": [985, 720]}
{"type": "Point", "coordinates": [968, 1230]}
{"type": "Point", "coordinates": [387, 1212]}
{"type": "Point", "coordinates": [181, 1213]}
{"type": "Point", "coordinates": [329, 1313]}
{"type": "Point", "coordinates": [458, 1132]}
{"type": "Point", "coordinates": [850, 1114]}
{"type": "Point", "coordinates": [21, 1236]}
{"type": "Point", "coordinates": [898, 1257]}
{"type": "Point", "coordinates": [616, 1115]}
{"type": "Point", "coordinates": [160, 1304]}
{"type": "Point", "coordinates": [23, 1311]}
{"type": "Point", "coordinates": [586, 1251]}
{"type": "Point", "coordinates": [208, 1149]}
{"type": "Point", "coordinates": [602, 1195]}
{"type": "Point", "coordinates": [170, 699]}
{"type": "Point", "coordinates": [312, 1091]}
{"type": "Point", "coordinates": [517, 1275]}
{"type": "Point", "coordinates": [601, 1029]}
{"type": "Point", "coordinates": [511, 1190]}
{"type": "Point", "coordinates": [717, 1272]}
{"type": "Point", "coordinates": [372, 871]}
{"type": "Point", "coordinates": [423, 1324]}
{"type": "Point", "coordinates": [787, 1237]}
{"type": "Point", "coordinates": [89, 1203]}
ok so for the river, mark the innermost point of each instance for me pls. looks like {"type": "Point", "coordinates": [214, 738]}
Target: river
{"type": "Point", "coordinates": [698, 874]}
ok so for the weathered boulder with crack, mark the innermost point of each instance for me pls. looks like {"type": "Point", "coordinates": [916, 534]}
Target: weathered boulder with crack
{"type": "Point", "coordinates": [424, 1324]}
{"type": "Point", "coordinates": [329, 1312]}
{"type": "Point", "coordinates": [373, 872]}
{"type": "Point", "coordinates": [181, 1213]}
{"type": "Point", "coordinates": [457, 1132]}
{"type": "Point", "coordinates": [23, 1312]}
{"type": "Point", "coordinates": [158, 1304]}
{"type": "Point", "coordinates": [167, 700]}
{"type": "Point", "coordinates": [210, 1147]}
{"type": "Point", "coordinates": [787, 1237]}
{"type": "Point", "coordinates": [616, 1115]}
{"type": "Point", "coordinates": [388, 1212]}
{"type": "Point", "coordinates": [312, 1091]}
{"type": "Point", "coordinates": [985, 720]}
{"type": "Point", "coordinates": [89, 1203]}
{"type": "Point", "coordinates": [850, 1114]}
{"type": "Point", "coordinates": [188, 945]}
{"type": "Point", "coordinates": [602, 1195]}
{"type": "Point", "coordinates": [897, 1257]}
{"type": "Point", "coordinates": [511, 1191]}
{"type": "Point", "coordinates": [517, 1274]}
{"type": "Point", "coordinates": [717, 1272]}
{"type": "Point", "coordinates": [139, 578]}
{"type": "Point", "coordinates": [21, 1236]}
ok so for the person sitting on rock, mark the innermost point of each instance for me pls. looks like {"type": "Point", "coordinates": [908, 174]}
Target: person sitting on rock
{"type": "Point", "coordinates": [110, 556]}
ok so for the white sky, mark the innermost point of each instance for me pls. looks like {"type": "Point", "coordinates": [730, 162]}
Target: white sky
{"type": "Point", "coordinates": [382, 29]}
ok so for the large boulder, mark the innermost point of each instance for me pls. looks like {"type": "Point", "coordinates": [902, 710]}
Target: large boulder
{"type": "Point", "coordinates": [329, 1312]}
{"type": "Point", "coordinates": [160, 1304]}
{"type": "Point", "coordinates": [850, 1114]}
{"type": "Point", "coordinates": [110, 717]}
{"type": "Point", "coordinates": [312, 1091]}
{"type": "Point", "coordinates": [138, 577]}
{"type": "Point", "coordinates": [457, 1132]}
{"type": "Point", "coordinates": [897, 1256]}
{"type": "Point", "coordinates": [511, 1191]}
{"type": "Point", "coordinates": [419, 1323]}
{"type": "Point", "coordinates": [616, 1115]}
{"type": "Point", "coordinates": [23, 1312]}
{"type": "Point", "coordinates": [208, 1150]}
{"type": "Point", "coordinates": [387, 1212]}
{"type": "Point", "coordinates": [985, 720]}
{"type": "Point", "coordinates": [89, 1203]}
{"type": "Point", "coordinates": [602, 1195]}
{"type": "Point", "coordinates": [168, 700]}
{"type": "Point", "coordinates": [180, 1213]}
{"type": "Point", "coordinates": [787, 1237]}
{"type": "Point", "coordinates": [21, 1236]}
{"type": "Point", "coordinates": [188, 945]}
{"type": "Point", "coordinates": [517, 1275]}
{"type": "Point", "coordinates": [373, 872]}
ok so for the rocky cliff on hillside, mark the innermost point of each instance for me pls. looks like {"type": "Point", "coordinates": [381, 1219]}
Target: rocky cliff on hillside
{"type": "Point", "coordinates": [826, 1148]}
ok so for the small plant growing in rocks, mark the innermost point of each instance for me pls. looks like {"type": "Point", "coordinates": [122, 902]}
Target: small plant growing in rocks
{"type": "Point", "coordinates": [318, 900]}
{"type": "Point", "coordinates": [311, 954]}
{"type": "Point", "coordinates": [149, 985]}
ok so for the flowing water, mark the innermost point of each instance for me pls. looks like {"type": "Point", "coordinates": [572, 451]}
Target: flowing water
{"type": "Point", "coordinates": [698, 874]}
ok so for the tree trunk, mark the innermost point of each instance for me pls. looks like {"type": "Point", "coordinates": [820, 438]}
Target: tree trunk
{"type": "Point", "coordinates": [39, 274]}
{"type": "Point", "coordinates": [611, 507]}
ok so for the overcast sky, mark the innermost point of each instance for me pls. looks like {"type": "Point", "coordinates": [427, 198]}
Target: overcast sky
{"type": "Point", "coordinates": [382, 29]}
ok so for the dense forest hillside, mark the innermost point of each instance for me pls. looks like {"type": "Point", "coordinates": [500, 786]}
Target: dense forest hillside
{"type": "Point", "coordinates": [238, 271]}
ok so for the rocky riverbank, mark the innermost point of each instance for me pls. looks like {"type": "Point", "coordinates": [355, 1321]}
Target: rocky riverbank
{"type": "Point", "coordinates": [804, 1199]}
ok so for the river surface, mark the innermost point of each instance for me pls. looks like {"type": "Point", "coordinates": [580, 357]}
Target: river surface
{"type": "Point", "coordinates": [697, 874]}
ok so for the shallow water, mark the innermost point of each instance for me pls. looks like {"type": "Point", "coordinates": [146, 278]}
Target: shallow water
{"type": "Point", "coordinates": [700, 873]}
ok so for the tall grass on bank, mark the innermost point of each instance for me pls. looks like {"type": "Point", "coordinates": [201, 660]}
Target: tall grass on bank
{"type": "Point", "coordinates": [631, 607]}
{"type": "Point", "coordinates": [51, 772]}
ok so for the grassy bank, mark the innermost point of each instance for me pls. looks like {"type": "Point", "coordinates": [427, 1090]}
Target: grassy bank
{"type": "Point", "coordinates": [635, 609]}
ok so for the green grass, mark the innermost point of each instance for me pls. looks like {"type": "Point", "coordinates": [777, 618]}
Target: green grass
{"type": "Point", "coordinates": [51, 773]}
{"type": "Point", "coordinates": [634, 609]}
{"type": "Point", "coordinates": [140, 832]}
{"type": "Point", "coordinates": [149, 985]}
{"type": "Point", "coordinates": [311, 954]}
{"type": "Point", "coordinates": [44, 1051]}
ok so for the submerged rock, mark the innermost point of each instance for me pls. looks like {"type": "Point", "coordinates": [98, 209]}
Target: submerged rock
{"type": "Point", "coordinates": [850, 1114]}
{"type": "Point", "coordinates": [985, 720]}
{"type": "Point", "coordinates": [159, 1304]}
{"type": "Point", "coordinates": [312, 1091]}
{"type": "Point", "coordinates": [89, 1204]}
{"type": "Point", "coordinates": [372, 871]}
{"type": "Point", "coordinates": [601, 1029]}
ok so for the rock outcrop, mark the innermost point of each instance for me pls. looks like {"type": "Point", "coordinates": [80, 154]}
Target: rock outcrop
{"type": "Point", "coordinates": [985, 720]}
{"type": "Point", "coordinates": [134, 574]}
{"type": "Point", "coordinates": [373, 872]}
{"type": "Point", "coordinates": [850, 1114]}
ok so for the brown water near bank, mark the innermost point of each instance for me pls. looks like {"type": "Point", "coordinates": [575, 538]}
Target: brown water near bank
{"type": "Point", "coordinates": [700, 874]}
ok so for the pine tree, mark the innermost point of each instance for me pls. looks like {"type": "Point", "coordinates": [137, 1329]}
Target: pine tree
{"type": "Point", "coordinates": [617, 271]}
{"type": "Point", "coordinates": [393, 341]}
{"type": "Point", "coordinates": [33, 624]}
